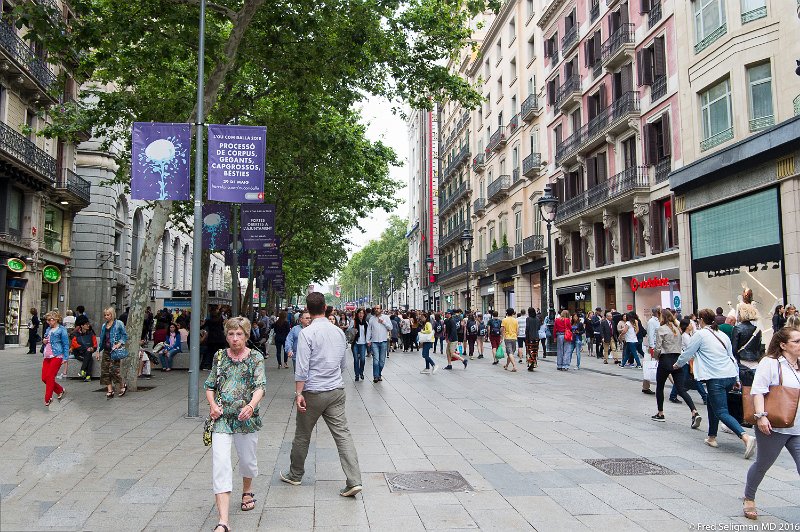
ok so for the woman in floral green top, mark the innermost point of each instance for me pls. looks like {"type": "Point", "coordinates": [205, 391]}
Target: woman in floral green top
{"type": "Point", "coordinates": [234, 387]}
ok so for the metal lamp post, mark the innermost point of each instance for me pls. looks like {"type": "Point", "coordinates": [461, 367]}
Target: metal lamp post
{"type": "Point", "coordinates": [548, 207]}
{"type": "Point", "coordinates": [406, 273]}
{"type": "Point", "coordinates": [429, 262]}
{"type": "Point", "coordinates": [391, 290]}
{"type": "Point", "coordinates": [380, 291]}
{"type": "Point", "coordinates": [466, 245]}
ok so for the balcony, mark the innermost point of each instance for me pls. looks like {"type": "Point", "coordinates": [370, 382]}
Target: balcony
{"type": "Point", "coordinates": [20, 150]}
{"type": "Point", "coordinates": [532, 165]}
{"type": "Point", "coordinates": [452, 236]}
{"type": "Point", "coordinates": [757, 124]}
{"type": "Point", "coordinates": [613, 190]}
{"type": "Point", "coordinates": [658, 89]}
{"type": "Point", "coordinates": [569, 40]}
{"type": "Point", "coordinates": [453, 273]}
{"type": "Point", "coordinates": [568, 95]}
{"type": "Point", "coordinates": [612, 121]}
{"type": "Point", "coordinates": [518, 251]}
{"type": "Point", "coordinates": [654, 16]}
{"type": "Point", "coordinates": [594, 12]}
{"type": "Point", "coordinates": [597, 69]}
{"type": "Point", "coordinates": [496, 141]}
{"type": "Point", "coordinates": [710, 38]}
{"type": "Point", "coordinates": [533, 245]}
{"type": "Point", "coordinates": [498, 189]}
{"type": "Point", "coordinates": [479, 266]}
{"type": "Point", "coordinates": [717, 139]}
{"type": "Point", "coordinates": [446, 202]}
{"type": "Point", "coordinates": [619, 47]}
{"type": "Point", "coordinates": [35, 74]}
{"type": "Point", "coordinates": [515, 176]}
{"type": "Point", "coordinates": [460, 158]}
{"type": "Point", "coordinates": [530, 108]}
{"type": "Point", "coordinates": [663, 168]}
{"type": "Point", "coordinates": [73, 189]}
{"type": "Point", "coordinates": [513, 126]}
{"type": "Point", "coordinates": [499, 257]}
{"type": "Point", "coordinates": [567, 150]}
{"type": "Point", "coordinates": [479, 163]}
{"type": "Point", "coordinates": [479, 206]}
{"type": "Point", "coordinates": [554, 58]}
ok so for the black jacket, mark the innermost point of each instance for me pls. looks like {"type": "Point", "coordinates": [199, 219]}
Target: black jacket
{"type": "Point", "coordinates": [743, 350]}
{"type": "Point", "coordinates": [532, 326]}
{"type": "Point", "coordinates": [606, 329]}
{"type": "Point", "coordinates": [778, 322]}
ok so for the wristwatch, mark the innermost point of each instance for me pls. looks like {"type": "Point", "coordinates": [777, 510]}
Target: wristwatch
{"type": "Point", "coordinates": [759, 415]}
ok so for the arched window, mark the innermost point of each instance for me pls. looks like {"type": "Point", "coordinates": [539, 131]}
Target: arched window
{"type": "Point", "coordinates": [187, 267]}
{"type": "Point", "coordinates": [137, 239]}
{"type": "Point", "coordinates": [212, 277]}
{"type": "Point", "coordinates": [164, 259]}
{"type": "Point", "coordinates": [176, 270]}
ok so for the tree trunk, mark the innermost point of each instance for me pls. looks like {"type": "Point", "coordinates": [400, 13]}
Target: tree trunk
{"type": "Point", "coordinates": [162, 209]}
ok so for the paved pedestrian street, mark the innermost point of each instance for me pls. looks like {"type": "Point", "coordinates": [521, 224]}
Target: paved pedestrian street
{"type": "Point", "coordinates": [521, 441]}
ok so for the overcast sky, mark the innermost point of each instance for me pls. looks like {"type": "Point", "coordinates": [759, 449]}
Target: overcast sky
{"type": "Point", "coordinates": [383, 125]}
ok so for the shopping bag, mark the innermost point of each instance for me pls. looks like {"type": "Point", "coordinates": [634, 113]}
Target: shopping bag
{"type": "Point", "coordinates": [500, 353]}
{"type": "Point", "coordinates": [650, 368]}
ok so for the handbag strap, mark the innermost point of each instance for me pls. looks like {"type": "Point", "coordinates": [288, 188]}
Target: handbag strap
{"type": "Point", "coordinates": [714, 334]}
{"type": "Point", "coordinates": [755, 332]}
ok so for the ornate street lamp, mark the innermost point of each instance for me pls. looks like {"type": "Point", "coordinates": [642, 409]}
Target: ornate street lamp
{"type": "Point", "coordinates": [380, 291]}
{"type": "Point", "coordinates": [548, 208]}
{"type": "Point", "coordinates": [406, 273]}
{"type": "Point", "coordinates": [391, 290]}
{"type": "Point", "coordinates": [466, 245]}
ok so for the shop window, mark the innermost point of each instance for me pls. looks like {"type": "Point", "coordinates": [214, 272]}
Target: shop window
{"type": "Point", "coordinates": [631, 233]}
{"type": "Point", "coordinates": [53, 226]}
{"type": "Point", "coordinates": [664, 230]}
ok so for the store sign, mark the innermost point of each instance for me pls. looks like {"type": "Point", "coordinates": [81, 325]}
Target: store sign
{"type": "Point", "coordinates": [16, 265]}
{"type": "Point", "coordinates": [652, 282]}
{"type": "Point", "coordinates": [51, 274]}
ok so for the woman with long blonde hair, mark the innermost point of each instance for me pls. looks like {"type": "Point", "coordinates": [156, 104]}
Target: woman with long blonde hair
{"type": "Point", "coordinates": [667, 351]}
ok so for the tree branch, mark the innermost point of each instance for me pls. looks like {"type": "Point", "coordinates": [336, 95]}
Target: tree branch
{"type": "Point", "coordinates": [211, 6]}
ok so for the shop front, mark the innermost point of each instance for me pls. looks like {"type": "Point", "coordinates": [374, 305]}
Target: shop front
{"type": "Point", "coordinates": [723, 268]}
{"type": "Point", "coordinates": [486, 293]}
{"type": "Point", "coordinates": [51, 282]}
{"type": "Point", "coordinates": [576, 298]}
{"type": "Point", "coordinates": [505, 284]}
{"type": "Point", "coordinates": [13, 287]}
{"type": "Point", "coordinates": [534, 274]}
{"type": "Point", "coordinates": [654, 289]}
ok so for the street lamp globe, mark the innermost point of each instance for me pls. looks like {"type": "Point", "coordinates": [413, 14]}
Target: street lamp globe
{"type": "Point", "coordinates": [406, 272]}
{"type": "Point", "coordinates": [548, 205]}
{"type": "Point", "coordinates": [466, 240]}
{"type": "Point", "coordinates": [391, 278]}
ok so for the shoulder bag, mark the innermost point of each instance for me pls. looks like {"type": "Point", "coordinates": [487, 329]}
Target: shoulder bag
{"type": "Point", "coordinates": [780, 403]}
{"type": "Point", "coordinates": [568, 331]}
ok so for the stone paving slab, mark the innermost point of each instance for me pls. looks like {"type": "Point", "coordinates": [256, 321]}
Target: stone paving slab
{"type": "Point", "coordinates": [520, 440]}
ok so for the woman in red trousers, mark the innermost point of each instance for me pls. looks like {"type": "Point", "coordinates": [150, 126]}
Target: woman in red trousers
{"type": "Point", "coordinates": [55, 348]}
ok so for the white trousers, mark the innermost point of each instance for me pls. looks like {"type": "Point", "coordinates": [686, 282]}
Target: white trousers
{"type": "Point", "coordinates": [221, 466]}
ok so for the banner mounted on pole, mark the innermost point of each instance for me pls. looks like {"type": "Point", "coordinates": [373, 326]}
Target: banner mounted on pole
{"type": "Point", "coordinates": [236, 159]}
{"type": "Point", "coordinates": [258, 226]}
{"type": "Point", "coordinates": [216, 226]}
{"type": "Point", "coordinates": [160, 161]}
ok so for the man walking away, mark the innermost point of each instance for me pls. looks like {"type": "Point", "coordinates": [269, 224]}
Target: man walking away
{"type": "Point", "coordinates": [453, 325]}
{"type": "Point", "coordinates": [597, 332]}
{"type": "Point", "coordinates": [378, 331]}
{"type": "Point", "coordinates": [319, 391]}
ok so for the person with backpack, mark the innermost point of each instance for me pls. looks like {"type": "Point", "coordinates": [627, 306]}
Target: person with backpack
{"type": "Point", "coordinates": [481, 333]}
{"type": "Point", "coordinates": [495, 326]}
{"type": "Point", "coordinates": [472, 334]}
{"type": "Point", "coordinates": [452, 326]}
{"type": "Point", "coordinates": [438, 331]}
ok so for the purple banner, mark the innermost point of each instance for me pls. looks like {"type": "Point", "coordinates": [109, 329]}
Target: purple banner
{"type": "Point", "coordinates": [216, 226]}
{"type": "Point", "coordinates": [160, 161]}
{"type": "Point", "coordinates": [258, 226]}
{"type": "Point", "coordinates": [236, 158]}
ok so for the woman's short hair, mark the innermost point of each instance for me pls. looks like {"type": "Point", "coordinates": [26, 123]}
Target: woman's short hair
{"type": "Point", "coordinates": [238, 322]}
{"type": "Point", "coordinates": [748, 312]}
{"type": "Point", "coordinates": [54, 315]}
{"type": "Point", "coordinates": [111, 311]}
{"type": "Point", "coordinates": [708, 317]}
{"type": "Point", "coordinates": [793, 322]}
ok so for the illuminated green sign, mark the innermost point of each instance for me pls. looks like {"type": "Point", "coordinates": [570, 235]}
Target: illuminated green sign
{"type": "Point", "coordinates": [51, 274]}
{"type": "Point", "coordinates": [16, 265]}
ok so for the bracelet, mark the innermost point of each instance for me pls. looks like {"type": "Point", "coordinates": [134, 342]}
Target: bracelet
{"type": "Point", "coordinates": [251, 407]}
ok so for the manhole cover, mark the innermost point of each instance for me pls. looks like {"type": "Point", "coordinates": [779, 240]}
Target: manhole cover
{"type": "Point", "coordinates": [427, 481]}
{"type": "Point", "coordinates": [622, 467]}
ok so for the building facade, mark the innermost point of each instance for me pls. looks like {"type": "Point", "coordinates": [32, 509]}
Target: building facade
{"type": "Point", "coordinates": [739, 140]}
{"type": "Point", "coordinates": [107, 240]}
{"type": "Point", "coordinates": [40, 191]}
{"type": "Point", "coordinates": [612, 103]}
{"type": "Point", "coordinates": [421, 289]}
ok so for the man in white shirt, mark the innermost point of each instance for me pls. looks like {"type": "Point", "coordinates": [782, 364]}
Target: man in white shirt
{"type": "Point", "coordinates": [378, 331]}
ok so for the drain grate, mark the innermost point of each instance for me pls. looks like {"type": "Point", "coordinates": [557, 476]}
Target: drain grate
{"type": "Point", "coordinates": [623, 467]}
{"type": "Point", "coordinates": [426, 482]}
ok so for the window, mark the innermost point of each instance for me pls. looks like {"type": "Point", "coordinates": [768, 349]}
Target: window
{"type": "Point", "coordinates": [118, 255]}
{"type": "Point", "coordinates": [629, 152]}
{"type": "Point", "coordinates": [532, 85]}
{"type": "Point", "coordinates": [3, 100]}
{"type": "Point", "coordinates": [551, 47]}
{"type": "Point", "coordinates": [664, 234]}
{"type": "Point", "coordinates": [481, 188]}
{"type": "Point", "coordinates": [513, 105]}
{"type": "Point", "coordinates": [560, 257]}
{"type": "Point", "coordinates": [557, 135]}
{"type": "Point", "coordinates": [512, 67]}
{"type": "Point", "coordinates": [517, 227]}
{"type": "Point", "coordinates": [631, 232]}
{"type": "Point", "coordinates": [651, 62]}
{"type": "Point", "coordinates": [537, 220]}
{"type": "Point", "coordinates": [759, 81]}
{"type": "Point", "coordinates": [503, 167]}
{"type": "Point", "coordinates": [529, 8]}
{"type": "Point", "coordinates": [13, 221]}
{"type": "Point", "coordinates": [53, 224]}
{"type": "Point", "coordinates": [500, 120]}
{"type": "Point", "coordinates": [515, 158]}
{"type": "Point", "coordinates": [30, 123]}
{"type": "Point", "coordinates": [580, 252]}
{"type": "Point", "coordinates": [499, 88]}
{"type": "Point", "coordinates": [716, 115]}
{"type": "Point", "coordinates": [531, 49]}
{"type": "Point", "coordinates": [480, 120]}
{"type": "Point", "coordinates": [592, 49]}
{"type": "Point", "coordinates": [487, 72]}
{"type": "Point", "coordinates": [599, 244]}
{"type": "Point", "coordinates": [596, 170]}
{"type": "Point", "coordinates": [709, 22]}
{"type": "Point", "coordinates": [499, 50]}
{"type": "Point", "coordinates": [657, 141]}
{"type": "Point", "coordinates": [512, 31]}
{"type": "Point", "coordinates": [164, 262]}
{"type": "Point", "coordinates": [492, 240]}
{"type": "Point", "coordinates": [534, 141]}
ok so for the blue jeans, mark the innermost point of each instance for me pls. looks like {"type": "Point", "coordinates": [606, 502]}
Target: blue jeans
{"type": "Point", "coordinates": [440, 341]}
{"type": "Point", "coordinates": [166, 358]}
{"type": "Point", "coordinates": [378, 358]}
{"type": "Point", "coordinates": [576, 349]}
{"type": "Point", "coordinates": [562, 347]}
{"type": "Point", "coordinates": [698, 386]}
{"type": "Point", "coordinates": [629, 352]}
{"type": "Point", "coordinates": [359, 359]}
{"type": "Point", "coordinates": [426, 349]}
{"type": "Point", "coordinates": [718, 406]}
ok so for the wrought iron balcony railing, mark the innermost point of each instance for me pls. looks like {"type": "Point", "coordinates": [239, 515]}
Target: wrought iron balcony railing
{"type": "Point", "coordinates": [654, 16]}
{"type": "Point", "coordinates": [479, 266]}
{"type": "Point", "coordinates": [531, 164]}
{"type": "Point", "coordinates": [498, 188]}
{"type": "Point", "coordinates": [757, 124]}
{"type": "Point", "coordinates": [74, 184]}
{"type": "Point", "coordinates": [754, 14]}
{"type": "Point", "coordinates": [446, 202]}
{"type": "Point", "coordinates": [710, 38]}
{"type": "Point", "coordinates": [628, 180]}
{"type": "Point", "coordinates": [571, 87]}
{"type": "Point", "coordinates": [478, 162]}
{"type": "Point", "coordinates": [453, 273]}
{"type": "Point", "coordinates": [529, 107]}
{"type": "Point", "coordinates": [479, 206]}
{"type": "Point", "coordinates": [716, 139]}
{"type": "Point", "coordinates": [658, 89]}
{"type": "Point", "coordinates": [663, 168]}
{"type": "Point", "coordinates": [615, 44]}
{"type": "Point", "coordinates": [512, 126]}
{"type": "Point", "coordinates": [499, 256]}
{"type": "Point", "coordinates": [569, 39]}
{"type": "Point", "coordinates": [27, 153]}
{"type": "Point", "coordinates": [594, 12]}
{"type": "Point", "coordinates": [19, 51]}
{"type": "Point", "coordinates": [533, 244]}
{"type": "Point", "coordinates": [452, 235]}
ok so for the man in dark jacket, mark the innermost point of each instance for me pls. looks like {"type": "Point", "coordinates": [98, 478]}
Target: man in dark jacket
{"type": "Point", "coordinates": [598, 334]}
{"type": "Point", "coordinates": [608, 328]}
{"type": "Point", "coordinates": [532, 338]}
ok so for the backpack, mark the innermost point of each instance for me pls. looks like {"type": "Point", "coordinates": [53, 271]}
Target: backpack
{"type": "Point", "coordinates": [494, 327]}
{"type": "Point", "coordinates": [438, 327]}
{"type": "Point", "coordinates": [473, 327]}
{"type": "Point", "coordinates": [482, 329]}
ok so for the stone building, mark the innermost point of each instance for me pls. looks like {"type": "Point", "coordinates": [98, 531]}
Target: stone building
{"type": "Point", "coordinates": [40, 191]}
